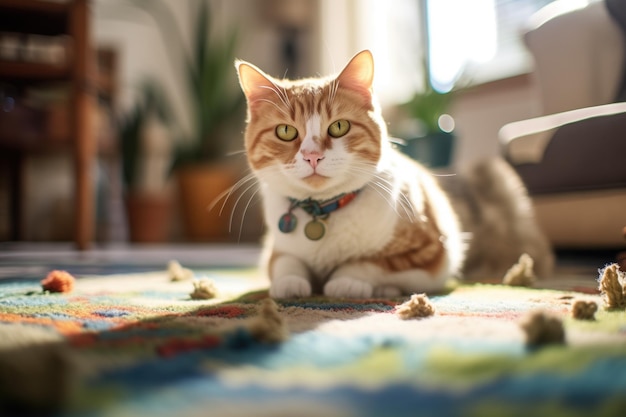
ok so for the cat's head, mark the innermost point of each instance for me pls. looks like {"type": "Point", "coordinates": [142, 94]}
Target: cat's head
{"type": "Point", "coordinates": [317, 137]}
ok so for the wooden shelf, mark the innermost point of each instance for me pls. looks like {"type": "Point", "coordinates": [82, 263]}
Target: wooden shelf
{"type": "Point", "coordinates": [71, 19]}
{"type": "Point", "coordinates": [34, 17]}
{"type": "Point", "coordinates": [34, 144]}
{"type": "Point", "coordinates": [31, 71]}
{"type": "Point", "coordinates": [40, 144]}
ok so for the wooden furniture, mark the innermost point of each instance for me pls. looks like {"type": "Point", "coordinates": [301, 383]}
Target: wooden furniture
{"type": "Point", "coordinates": [54, 19]}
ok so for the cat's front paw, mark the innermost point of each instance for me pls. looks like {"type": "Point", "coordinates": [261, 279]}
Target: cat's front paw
{"type": "Point", "coordinates": [289, 286]}
{"type": "Point", "coordinates": [387, 291]}
{"type": "Point", "coordinates": [345, 287]}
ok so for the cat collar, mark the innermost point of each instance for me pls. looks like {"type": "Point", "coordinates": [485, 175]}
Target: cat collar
{"type": "Point", "coordinates": [319, 210]}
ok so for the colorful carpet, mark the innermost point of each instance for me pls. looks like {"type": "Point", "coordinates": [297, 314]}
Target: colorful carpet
{"type": "Point", "coordinates": [138, 345]}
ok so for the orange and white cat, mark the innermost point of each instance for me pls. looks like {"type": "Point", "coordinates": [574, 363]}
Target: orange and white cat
{"type": "Point", "coordinates": [347, 215]}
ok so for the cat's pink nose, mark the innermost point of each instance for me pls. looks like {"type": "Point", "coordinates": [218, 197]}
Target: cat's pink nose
{"type": "Point", "coordinates": [313, 157]}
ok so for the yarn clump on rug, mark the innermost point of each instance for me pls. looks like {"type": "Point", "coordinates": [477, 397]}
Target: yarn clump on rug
{"type": "Point", "coordinates": [521, 274]}
{"type": "Point", "coordinates": [612, 286]}
{"type": "Point", "coordinates": [418, 306]}
{"type": "Point", "coordinates": [58, 281]}
{"type": "Point", "coordinates": [203, 289]}
{"type": "Point", "coordinates": [177, 272]}
{"type": "Point", "coordinates": [268, 326]}
{"type": "Point", "coordinates": [542, 329]}
{"type": "Point", "coordinates": [584, 310]}
{"type": "Point", "coordinates": [38, 370]}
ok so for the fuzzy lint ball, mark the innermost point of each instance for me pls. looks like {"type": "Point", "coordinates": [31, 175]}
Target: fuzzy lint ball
{"type": "Point", "coordinates": [584, 310]}
{"type": "Point", "coordinates": [177, 272]}
{"type": "Point", "coordinates": [418, 306]}
{"type": "Point", "coordinates": [612, 286]}
{"type": "Point", "coordinates": [521, 274]}
{"type": "Point", "coordinates": [543, 329]}
{"type": "Point", "coordinates": [58, 281]}
{"type": "Point", "coordinates": [203, 289]}
{"type": "Point", "coordinates": [268, 326]}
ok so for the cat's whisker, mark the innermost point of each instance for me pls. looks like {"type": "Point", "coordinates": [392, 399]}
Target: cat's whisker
{"type": "Point", "coordinates": [286, 97]}
{"type": "Point", "coordinates": [330, 94]}
{"type": "Point", "coordinates": [232, 213]}
{"type": "Point", "coordinates": [245, 210]}
{"type": "Point", "coordinates": [384, 185]}
{"type": "Point", "coordinates": [333, 91]}
{"type": "Point", "coordinates": [275, 105]}
{"type": "Point", "coordinates": [390, 184]}
{"type": "Point", "coordinates": [385, 189]}
{"type": "Point", "coordinates": [370, 169]}
{"type": "Point", "coordinates": [394, 195]}
{"type": "Point", "coordinates": [280, 93]}
{"type": "Point", "coordinates": [249, 177]}
{"type": "Point", "coordinates": [237, 153]}
{"type": "Point", "coordinates": [225, 195]}
{"type": "Point", "coordinates": [404, 203]}
{"type": "Point", "coordinates": [268, 174]}
{"type": "Point", "coordinates": [385, 196]}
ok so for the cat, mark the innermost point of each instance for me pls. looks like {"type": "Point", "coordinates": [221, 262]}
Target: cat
{"type": "Point", "coordinates": [347, 214]}
{"type": "Point", "coordinates": [497, 216]}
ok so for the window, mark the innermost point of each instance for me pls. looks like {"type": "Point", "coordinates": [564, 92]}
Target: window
{"type": "Point", "coordinates": [474, 41]}
{"type": "Point", "coordinates": [479, 40]}
{"type": "Point", "coordinates": [390, 29]}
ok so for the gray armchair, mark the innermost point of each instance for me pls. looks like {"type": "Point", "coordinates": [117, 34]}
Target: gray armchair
{"type": "Point", "coordinates": [573, 159]}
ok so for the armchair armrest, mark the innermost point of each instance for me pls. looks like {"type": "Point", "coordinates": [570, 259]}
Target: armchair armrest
{"type": "Point", "coordinates": [570, 151]}
{"type": "Point", "coordinates": [525, 141]}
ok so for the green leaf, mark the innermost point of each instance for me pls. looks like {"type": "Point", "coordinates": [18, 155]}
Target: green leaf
{"type": "Point", "coordinates": [427, 107]}
{"type": "Point", "coordinates": [151, 101]}
{"type": "Point", "coordinates": [207, 74]}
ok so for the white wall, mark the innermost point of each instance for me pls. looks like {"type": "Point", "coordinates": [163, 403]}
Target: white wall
{"type": "Point", "coordinates": [480, 112]}
{"type": "Point", "coordinates": [142, 52]}
{"type": "Point", "coordinates": [327, 41]}
{"type": "Point", "coordinates": [390, 30]}
{"type": "Point", "coordinates": [339, 29]}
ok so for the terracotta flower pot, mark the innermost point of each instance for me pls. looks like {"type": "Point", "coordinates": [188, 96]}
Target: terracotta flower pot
{"type": "Point", "coordinates": [200, 188]}
{"type": "Point", "coordinates": [149, 217]}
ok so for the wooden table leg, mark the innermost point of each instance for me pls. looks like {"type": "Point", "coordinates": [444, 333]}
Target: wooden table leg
{"type": "Point", "coordinates": [85, 146]}
{"type": "Point", "coordinates": [15, 163]}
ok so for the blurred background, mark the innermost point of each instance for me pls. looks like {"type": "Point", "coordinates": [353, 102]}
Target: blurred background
{"type": "Point", "coordinates": [122, 120]}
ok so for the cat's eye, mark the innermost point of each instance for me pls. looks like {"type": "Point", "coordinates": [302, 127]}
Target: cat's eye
{"type": "Point", "coordinates": [339, 128]}
{"type": "Point", "coordinates": [286, 132]}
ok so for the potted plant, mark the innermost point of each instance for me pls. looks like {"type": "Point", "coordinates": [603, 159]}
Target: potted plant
{"type": "Point", "coordinates": [432, 139]}
{"type": "Point", "coordinates": [208, 78]}
{"type": "Point", "coordinates": [145, 151]}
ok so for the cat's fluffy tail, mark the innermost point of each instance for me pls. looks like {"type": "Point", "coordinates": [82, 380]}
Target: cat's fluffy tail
{"type": "Point", "coordinates": [495, 210]}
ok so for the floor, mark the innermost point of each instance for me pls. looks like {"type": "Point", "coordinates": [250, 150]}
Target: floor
{"type": "Point", "coordinates": [32, 260]}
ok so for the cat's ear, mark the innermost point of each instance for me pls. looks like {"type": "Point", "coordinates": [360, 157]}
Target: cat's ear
{"type": "Point", "coordinates": [358, 75]}
{"type": "Point", "coordinates": [253, 81]}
